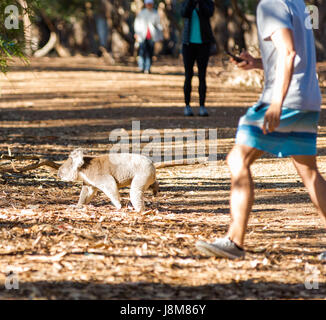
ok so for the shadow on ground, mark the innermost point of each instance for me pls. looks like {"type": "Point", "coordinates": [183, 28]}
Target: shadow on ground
{"type": "Point", "coordinates": [249, 289]}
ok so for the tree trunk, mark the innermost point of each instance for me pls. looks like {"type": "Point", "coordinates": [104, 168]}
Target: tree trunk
{"type": "Point", "coordinates": [27, 28]}
{"type": "Point", "coordinates": [120, 17]}
{"type": "Point", "coordinates": [171, 29]}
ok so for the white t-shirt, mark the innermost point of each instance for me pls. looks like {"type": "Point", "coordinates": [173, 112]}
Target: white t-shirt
{"type": "Point", "coordinates": [304, 91]}
{"type": "Point", "coordinates": [148, 19]}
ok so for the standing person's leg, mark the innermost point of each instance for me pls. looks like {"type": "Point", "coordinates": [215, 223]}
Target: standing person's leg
{"type": "Point", "coordinates": [239, 161]}
{"type": "Point", "coordinates": [202, 63]}
{"type": "Point", "coordinates": [141, 56]}
{"type": "Point", "coordinates": [189, 61]}
{"type": "Point", "coordinates": [314, 182]}
{"type": "Point", "coordinates": [242, 190]}
{"type": "Point", "coordinates": [149, 55]}
{"type": "Point", "coordinates": [102, 31]}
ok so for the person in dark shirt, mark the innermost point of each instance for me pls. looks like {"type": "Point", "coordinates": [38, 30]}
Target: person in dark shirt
{"type": "Point", "coordinates": [197, 40]}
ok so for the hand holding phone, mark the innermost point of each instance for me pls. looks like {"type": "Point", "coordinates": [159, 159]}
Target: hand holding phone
{"type": "Point", "coordinates": [234, 57]}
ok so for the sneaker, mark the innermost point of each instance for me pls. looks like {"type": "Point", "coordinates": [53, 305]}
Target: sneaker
{"type": "Point", "coordinates": [203, 111]}
{"type": "Point", "coordinates": [188, 111]}
{"type": "Point", "coordinates": [222, 247]}
{"type": "Point", "coordinates": [147, 71]}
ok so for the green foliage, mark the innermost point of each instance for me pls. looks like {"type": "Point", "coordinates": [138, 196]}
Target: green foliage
{"type": "Point", "coordinates": [8, 50]}
{"type": "Point", "coordinates": [63, 9]}
{"type": "Point", "coordinates": [248, 6]}
{"type": "Point", "coordinates": [12, 42]}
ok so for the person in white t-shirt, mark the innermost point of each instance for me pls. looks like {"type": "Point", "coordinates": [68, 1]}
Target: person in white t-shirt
{"type": "Point", "coordinates": [148, 30]}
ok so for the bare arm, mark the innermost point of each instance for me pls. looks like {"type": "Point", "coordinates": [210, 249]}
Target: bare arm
{"type": "Point", "coordinates": [283, 41]}
{"type": "Point", "coordinates": [284, 44]}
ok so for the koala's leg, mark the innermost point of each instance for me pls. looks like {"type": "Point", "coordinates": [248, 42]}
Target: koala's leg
{"type": "Point", "coordinates": [86, 195]}
{"type": "Point", "coordinates": [109, 186]}
{"type": "Point", "coordinates": [138, 185]}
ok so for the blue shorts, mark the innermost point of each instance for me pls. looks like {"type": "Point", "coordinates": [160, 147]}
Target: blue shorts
{"type": "Point", "coordinates": [296, 135]}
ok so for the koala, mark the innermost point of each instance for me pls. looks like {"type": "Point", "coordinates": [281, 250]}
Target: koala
{"type": "Point", "coordinates": [108, 173]}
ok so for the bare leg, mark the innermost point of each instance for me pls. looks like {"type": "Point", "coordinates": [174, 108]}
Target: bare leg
{"type": "Point", "coordinates": [314, 182]}
{"type": "Point", "coordinates": [86, 195]}
{"type": "Point", "coordinates": [242, 190]}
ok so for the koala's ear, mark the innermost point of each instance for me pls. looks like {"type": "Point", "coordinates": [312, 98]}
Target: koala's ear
{"type": "Point", "coordinates": [77, 157]}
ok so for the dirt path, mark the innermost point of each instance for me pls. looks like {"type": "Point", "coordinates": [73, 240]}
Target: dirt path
{"type": "Point", "coordinates": [59, 252]}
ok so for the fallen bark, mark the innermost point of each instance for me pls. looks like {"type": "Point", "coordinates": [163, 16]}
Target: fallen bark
{"type": "Point", "coordinates": [54, 40]}
{"type": "Point", "coordinates": [48, 47]}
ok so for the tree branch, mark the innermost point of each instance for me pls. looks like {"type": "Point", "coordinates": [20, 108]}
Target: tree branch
{"type": "Point", "coordinates": [40, 163]}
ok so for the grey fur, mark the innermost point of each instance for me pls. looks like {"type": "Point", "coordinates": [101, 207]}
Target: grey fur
{"type": "Point", "coordinates": [108, 173]}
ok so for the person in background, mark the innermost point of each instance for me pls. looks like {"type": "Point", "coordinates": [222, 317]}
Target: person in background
{"type": "Point", "coordinates": [102, 27]}
{"type": "Point", "coordinates": [101, 9]}
{"type": "Point", "coordinates": [148, 30]}
{"type": "Point", "coordinates": [197, 41]}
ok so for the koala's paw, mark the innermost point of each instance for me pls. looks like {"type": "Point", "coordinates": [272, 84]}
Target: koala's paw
{"type": "Point", "coordinates": [139, 209]}
{"type": "Point", "coordinates": [78, 206]}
